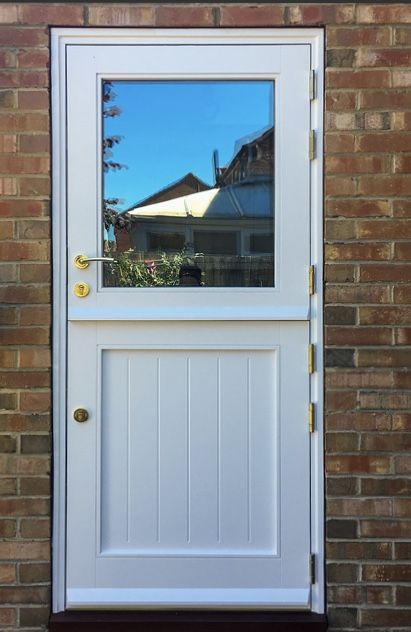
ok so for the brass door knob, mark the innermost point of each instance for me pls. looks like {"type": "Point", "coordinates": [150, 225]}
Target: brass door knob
{"type": "Point", "coordinates": [80, 415]}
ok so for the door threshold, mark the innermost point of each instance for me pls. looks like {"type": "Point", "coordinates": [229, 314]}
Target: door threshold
{"type": "Point", "coordinates": [186, 621]}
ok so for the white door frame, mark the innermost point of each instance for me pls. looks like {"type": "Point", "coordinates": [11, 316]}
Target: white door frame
{"type": "Point", "coordinates": [60, 39]}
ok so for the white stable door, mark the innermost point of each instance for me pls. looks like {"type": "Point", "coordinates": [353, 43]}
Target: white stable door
{"type": "Point", "coordinates": [188, 485]}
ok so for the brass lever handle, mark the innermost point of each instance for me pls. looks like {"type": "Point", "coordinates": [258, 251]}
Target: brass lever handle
{"type": "Point", "coordinates": [82, 261]}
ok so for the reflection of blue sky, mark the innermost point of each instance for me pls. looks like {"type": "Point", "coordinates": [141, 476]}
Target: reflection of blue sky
{"type": "Point", "coordinates": [171, 128]}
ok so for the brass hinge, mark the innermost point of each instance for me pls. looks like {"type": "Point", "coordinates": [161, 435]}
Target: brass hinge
{"type": "Point", "coordinates": [312, 144]}
{"type": "Point", "coordinates": [313, 85]}
{"type": "Point", "coordinates": [311, 280]}
{"type": "Point", "coordinates": [312, 568]}
{"type": "Point", "coordinates": [311, 417]}
{"type": "Point", "coordinates": [311, 358]}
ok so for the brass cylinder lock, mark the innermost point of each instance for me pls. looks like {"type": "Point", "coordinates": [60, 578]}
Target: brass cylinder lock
{"type": "Point", "coordinates": [81, 289]}
{"type": "Point", "coordinates": [80, 415]}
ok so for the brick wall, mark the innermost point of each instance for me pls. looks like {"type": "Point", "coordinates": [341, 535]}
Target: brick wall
{"type": "Point", "coordinates": [368, 291]}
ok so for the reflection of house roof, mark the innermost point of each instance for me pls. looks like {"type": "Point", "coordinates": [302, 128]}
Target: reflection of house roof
{"type": "Point", "coordinates": [237, 200]}
{"type": "Point", "coordinates": [186, 185]}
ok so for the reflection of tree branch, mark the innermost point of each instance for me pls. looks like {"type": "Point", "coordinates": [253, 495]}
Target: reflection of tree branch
{"type": "Point", "coordinates": [111, 216]}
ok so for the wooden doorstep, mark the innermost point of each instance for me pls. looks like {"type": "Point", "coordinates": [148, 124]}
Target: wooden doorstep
{"type": "Point", "coordinates": [199, 621]}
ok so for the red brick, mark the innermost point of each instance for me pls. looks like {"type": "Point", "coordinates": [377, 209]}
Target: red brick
{"type": "Point", "coordinates": [8, 13]}
{"type": "Point", "coordinates": [402, 164]}
{"type": "Point", "coordinates": [24, 550]}
{"type": "Point", "coordinates": [35, 358]}
{"type": "Point", "coordinates": [385, 316]}
{"type": "Point", "coordinates": [401, 78]}
{"type": "Point", "coordinates": [358, 336]}
{"type": "Point", "coordinates": [339, 142]}
{"type": "Point", "coordinates": [383, 57]}
{"type": "Point", "coordinates": [33, 229]}
{"type": "Point", "coordinates": [357, 294]}
{"type": "Point", "coordinates": [351, 378]}
{"type": "Point", "coordinates": [35, 401]}
{"type": "Point", "coordinates": [340, 186]}
{"type": "Point", "coordinates": [25, 422]}
{"type": "Point", "coordinates": [354, 79]}
{"type": "Point", "coordinates": [24, 379]}
{"type": "Point", "coordinates": [357, 208]}
{"type": "Point", "coordinates": [387, 272]}
{"type": "Point", "coordinates": [356, 164]}
{"type": "Point", "coordinates": [386, 14]}
{"type": "Point", "coordinates": [22, 122]}
{"type": "Point", "coordinates": [402, 507]}
{"type": "Point", "coordinates": [184, 16]}
{"type": "Point", "coordinates": [18, 251]}
{"type": "Point", "coordinates": [8, 359]}
{"type": "Point", "coordinates": [7, 616]}
{"type": "Point", "coordinates": [350, 464]}
{"type": "Point", "coordinates": [386, 442]}
{"type": "Point", "coordinates": [401, 120]}
{"type": "Point", "coordinates": [23, 36]}
{"type": "Point", "coordinates": [121, 16]}
{"type": "Point", "coordinates": [387, 573]}
{"type": "Point", "coordinates": [385, 486]}
{"type": "Point", "coordinates": [402, 294]}
{"type": "Point", "coordinates": [23, 506]}
{"type": "Point", "coordinates": [26, 465]}
{"type": "Point", "coordinates": [56, 14]}
{"type": "Point", "coordinates": [7, 59]}
{"type": "Point", "coordinates": [35, 528]}
{"type": "Point", "coordinates": [8, 143]}
{"type": "Point", "coordinates": [359, 550]}
{"type": "Point", "coordinates": [23, 208]}
{"type": "Point", "coordinates": [401, 421]}
{"type": "Point", "coordinates": [35, 273]}
{"type": "Point", "coordinates": [336, 100]}
{"type": "Point", "coordinates": [8, 573]}
{"type": "Point", "coordinates": [340, 400]}
{"type": "Point", "coordinates": [35, 186]}
{"type": "Point", "coordinates": [314, 14]}
{"type": "Point", "coordinates": [357, 252]}
{"type": "Point", "coordinates": [28, 79]}
{"type": "Point", "coordinates": [385, 142]}
{"type": "Point", "coordinates": [340, 229]}
{"type": "Point", "coordinates": [384, 185]}
{"type": "Point", "coordinates": [35, 315]}
{"type": "Point", "coordinates": [33, 99]}
{"type": "Point", "coordinates": [402, 208]}
{"type": "Point", "coordinates": [24, 164]}
{"type": "Point", "coordinates": [6, 230]}
{"type": "Point", "coordinates": [251, 15]}
{"type": "Point", "coordinates": [34, 143]}
{"type": "Point", "coordinates": [403, 335]}
{"type": "Point", "coordinates": [385, 529]}
{"type": "Point", "coordinates": [384, 229]}
{"type": "Point", "coordinates": [34, 58]}
{"type": "Point", "coordinates": [8, 315]}
{"type": "Point", "coordinates": [24, 294]}
{"type": "Point", "coordinates": [358, 36]}
{"type": "Point", "coordinates": [387, 99]}
{"type": "Point", "coordinates": [402, 35]}
{"type": "Point", "coordinates": [18, 594]}
{"type": "Point", "coordinates": [8, 186]}
{"type": "Point", "coordinates": [359, 507]}
{"type": "Point", "coordinates": [379, 595]}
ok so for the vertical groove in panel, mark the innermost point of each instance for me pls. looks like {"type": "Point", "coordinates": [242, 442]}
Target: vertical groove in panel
{"type": "Point", "coordinates": [128, 413]}
{"type": "Point", "coordinates": [188, 451]}
{"type": "Point", "coordinates": [249, 449]}
{"type": "Point", "coordinates": [158, 451]}
{"type": "Point", "coordinates": [218, 451]}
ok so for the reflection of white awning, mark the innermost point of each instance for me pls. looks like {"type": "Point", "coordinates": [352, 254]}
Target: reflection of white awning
{"type": "Point", "coordinates": [245, 200]}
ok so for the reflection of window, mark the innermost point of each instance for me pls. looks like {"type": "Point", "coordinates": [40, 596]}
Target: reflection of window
{"type": "Point", "coordinates": [166, 241]}
{"type": "Point", "coordinates": [211, 242]}
{"type": "Point", "coordinates": [261, 243]}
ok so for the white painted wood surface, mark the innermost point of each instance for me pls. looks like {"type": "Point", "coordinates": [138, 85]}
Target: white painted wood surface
{"type": "Point", "coordinates": [95, 578]}
{"type": "Point", "coordinates": [193, 471]}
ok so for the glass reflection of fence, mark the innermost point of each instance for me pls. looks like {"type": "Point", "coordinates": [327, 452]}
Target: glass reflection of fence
{"type": "Point", "coordinates": [137, 269]}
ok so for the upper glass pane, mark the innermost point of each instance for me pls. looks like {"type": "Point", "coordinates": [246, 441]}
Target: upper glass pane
{"type": "Point", "coordinates": [188, 188]}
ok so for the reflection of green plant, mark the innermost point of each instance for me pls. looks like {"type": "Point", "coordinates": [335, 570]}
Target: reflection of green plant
{"type": "Point", "coordinates": [159, 271]}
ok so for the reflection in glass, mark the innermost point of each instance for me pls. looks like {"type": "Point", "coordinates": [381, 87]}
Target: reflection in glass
{"type": "Point", "coordinates": [188, 183]}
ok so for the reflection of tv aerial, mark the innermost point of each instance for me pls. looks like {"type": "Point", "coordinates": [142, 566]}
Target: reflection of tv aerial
{"type": "Point", "coordinates": [216, 167]}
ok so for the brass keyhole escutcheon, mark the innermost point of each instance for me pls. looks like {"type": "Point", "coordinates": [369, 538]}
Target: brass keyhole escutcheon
{"type": "Point", "coordinates": [80, 415]}
{"type": "Point", "coordinates": [81, 289]}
